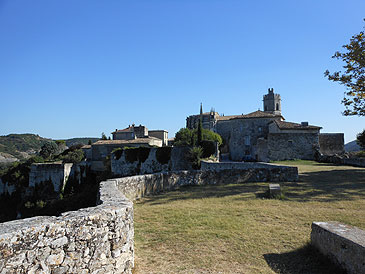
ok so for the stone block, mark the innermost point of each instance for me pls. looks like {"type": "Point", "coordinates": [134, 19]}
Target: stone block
{"type": "Point", "coordinates": [343, 244]}
{"type": "Point", "coordinates": [274, 190]}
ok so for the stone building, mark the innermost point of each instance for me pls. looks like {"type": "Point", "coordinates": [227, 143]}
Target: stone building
{"type": "Point", "coordinates": [262, 135]}
{"type": "Point", "coordinates": [132, 136]}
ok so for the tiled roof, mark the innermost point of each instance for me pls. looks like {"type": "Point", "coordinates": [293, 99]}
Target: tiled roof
{"type": "Point", "coordinates": [255, 114]}
{"type": "Point", "coordinates": [289, 125]}
{"type": "Point", "coordinates": [128, 129]}
{"type": "Point", "coordinates": [134, 141]}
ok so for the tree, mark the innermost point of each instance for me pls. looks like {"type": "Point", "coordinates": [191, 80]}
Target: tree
{"type": "Point", "coordinates": [103, 136]}
{"type": "Point", "coordinates": [200, 125]}
{"type": "Point", "coordinates": [48, 149]}
{"type": "Point", "coordinates": [353, 78]}
{"type": "Point", "coordinates": [360, 139]}
{"type": "Point", "coordinates": [189, 137]}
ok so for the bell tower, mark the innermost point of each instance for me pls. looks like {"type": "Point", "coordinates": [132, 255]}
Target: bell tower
{"type": "Point", "coordinates": [272, 102]}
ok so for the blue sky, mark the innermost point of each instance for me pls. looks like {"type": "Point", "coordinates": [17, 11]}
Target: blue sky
{"type": "Point", "coordinates": [75, 68]}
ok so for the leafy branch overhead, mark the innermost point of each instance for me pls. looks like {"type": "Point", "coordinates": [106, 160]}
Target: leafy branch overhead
{"type": "Point", "coordinates": [353, 77]}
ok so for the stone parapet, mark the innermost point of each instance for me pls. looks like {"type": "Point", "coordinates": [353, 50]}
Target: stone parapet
{"type": "Point", "coordinates": [85, 241]}
{"type": "Point", "coordinates": [343, 244]}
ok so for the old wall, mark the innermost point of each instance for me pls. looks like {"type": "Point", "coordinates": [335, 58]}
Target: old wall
{"type": "Point", "coordinates": [91, 240]}
{"type": "Point", "coordinates": [177, 161]}
{"type": "Point", "coordinates": [289, 146]}
{"type": "Point", "coordinates": [331, 143]}
{"type": "Point", "coordinates": [235, 131]}
{"type": "Point", "coordinates": [55, 173]}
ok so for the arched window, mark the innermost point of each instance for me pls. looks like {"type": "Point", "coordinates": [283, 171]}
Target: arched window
{"type": "Point", "coordinates": [265, 108]}
{"type": "Point", "coordinates": [277, 106]}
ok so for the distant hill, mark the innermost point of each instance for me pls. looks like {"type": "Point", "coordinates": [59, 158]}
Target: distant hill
{"type": "Point", "coordinates": [84, 141]}
{"type": "Point", "coordinates": [352, 146]}
{"type": "Point", "coordinates": [21, 146]}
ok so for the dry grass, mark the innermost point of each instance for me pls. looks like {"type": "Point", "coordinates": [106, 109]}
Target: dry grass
{"type": "Point", "coordinates": [230, 229]}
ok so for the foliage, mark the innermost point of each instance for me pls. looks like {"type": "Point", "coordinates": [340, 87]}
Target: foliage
{"type": "Point", "coordinates": [131, 154]}
{"type": "Point", "coordinates": [17, 144]}
{"type": "Point", "coordinates": [73, 156]}
{"type": "Point", "coordinates": [208, 148]}
{"type": "Point", "coordinates": [200, 131]}
{"type": "Point", "coordinates": [83, 141]}
{"type": "Point", "coordinates": [163, 155]}
{"type": "Point", "coordinates": [118, 152]}
{"type": "Point", "coordinates": [60, 142]}
{"type": "Point", "coordinates": [353, 78]}
{"type": "Point", "coordinates": [183, 137]}
{"type": "Point", "coordinates": [48, 149]}
{"type": "Point", "coordinates": [143, 153]}
{"type": "Point", "coordinates": [188, 137]}
{"type": "Point", "coordinates": [360, 154]}
{"type": "Point", "coordinates": [103, 136]}
{"type": "Point", "coordinates": [360, 139]}
{"type": "Point", "coordinates": [194, 156]}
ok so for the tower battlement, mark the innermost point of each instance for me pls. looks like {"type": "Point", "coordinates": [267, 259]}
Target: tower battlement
{"type": "Point", "coordinates": [272, 102]}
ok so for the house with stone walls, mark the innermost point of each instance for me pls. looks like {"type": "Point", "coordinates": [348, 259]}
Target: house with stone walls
{"type": "Point", "coordinates": [265, 135]}
{"type": "Point", "coordinates": [132, 136]}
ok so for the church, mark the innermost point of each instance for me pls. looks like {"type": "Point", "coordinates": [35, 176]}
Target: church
{"type": "Point", "coordinates": [265, 135]}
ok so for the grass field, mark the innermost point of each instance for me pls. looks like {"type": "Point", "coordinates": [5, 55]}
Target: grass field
{"type": "Point", "coordinates": [232, 229]}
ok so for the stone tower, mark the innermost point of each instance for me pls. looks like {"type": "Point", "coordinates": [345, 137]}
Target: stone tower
{"type": "Point", "coordinates": [272, 102]}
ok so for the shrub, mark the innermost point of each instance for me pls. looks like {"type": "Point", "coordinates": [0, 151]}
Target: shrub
{"type": "Point", "coordinates": [194, 156]}
{"type": "Point", "coordinates": [163, 155]}
{"type": "Point", "coordinates": [208, 148]}
{"type": "Point", "coordinates": [143, 153]}
{"type": "Point", "coordinates": [118, 152]}
{"type": "Point", "coordinates": [360, 154]}
{"type": "Point", "coordinates": [188, 137]}
{"type": "Point", "coordinates": [75, 156]}
{"type": "Point", "coordinates": [360, 139]}
{"type": "Point", "coordinates": [131, 154]}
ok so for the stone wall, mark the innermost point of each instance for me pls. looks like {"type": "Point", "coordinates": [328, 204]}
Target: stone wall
{"type": "Point", "coordinates": [331, 143]}
{"type": "Point", "coordinates": [290, 146]}
{"type": "Point", "coordinates": [343, 244]}
{"type": "Point", "coordinates": [235, 131]}
{"type": "Point", "coordinates": [342, 160]}
{"type": "Point", "coordinates": [91, 240]}
{"type": "Point", "coordinates": [55, 173]}
{"type": "Point", "coordinates": [177, 161]}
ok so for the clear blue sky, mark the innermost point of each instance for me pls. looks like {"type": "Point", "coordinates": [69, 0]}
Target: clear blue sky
{"type": "Point", "coordinates": [76, 68]}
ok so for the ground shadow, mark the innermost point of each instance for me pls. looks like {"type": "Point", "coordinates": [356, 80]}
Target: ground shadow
{"type": "Point", "coordinates": [303, 260]}
{"type": "Point", "coordinates": [325, 186]}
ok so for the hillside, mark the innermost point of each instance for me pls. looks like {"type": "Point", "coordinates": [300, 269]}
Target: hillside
{"type": "Point", "coordinates": [20, 146]}
{"type": "Point", "coordinates": [352, 146]}
{"type": "Point", "coordinates": [84, 141]}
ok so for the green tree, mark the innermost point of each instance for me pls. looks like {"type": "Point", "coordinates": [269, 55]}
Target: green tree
{"type": "Point", "coordinates": [189, 137]}
{"type": "Point", "coordinates": [48, 149]}
{"type": "Point", "coordinates": [360, 139]}
{"type": "Point", "coordinates": [353, 77]}
{"type": "Point", "coordinates": [184, 137]}
{"type": "Point", "coordinates": [103, 136]}
{"type": "Point", "coordinates": [194, 156]}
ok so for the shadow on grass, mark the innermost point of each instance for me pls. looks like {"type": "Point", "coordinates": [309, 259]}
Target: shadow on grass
{"type": "Point", "coordinates": [304, 260]}
{"type": "Point", "coordinates": [325, 186]}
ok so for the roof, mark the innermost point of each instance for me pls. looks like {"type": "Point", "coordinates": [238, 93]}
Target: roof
{"type": "Point", "coordinates": [295, 126]}
{"type": "Point", "coordinates": [86, 147]}
{"type": "Point", "coordinates": [255, 114]}
{"type": "Point", "coordinates": [120, 142]}
{"type": "Point", "coordinates": [128, 129]}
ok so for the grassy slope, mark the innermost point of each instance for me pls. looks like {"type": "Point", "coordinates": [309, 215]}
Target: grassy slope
{"type": "Point", "coordinates": [14, 144]}
{"type": "Point", "coordinates": [229, 229]}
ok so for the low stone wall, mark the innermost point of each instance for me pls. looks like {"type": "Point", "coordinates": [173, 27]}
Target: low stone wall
{"type": "Point", "coordinates": [177, 161]}
{"type": "Point", "coordinates": [342, 160]}
{"type": "Point", "coordinates": [331, 143]}
{"type": "Point", "coordinates": [343, 244]}
{"type": "Point", "coordinates": [252, 171]}
{"type": "Point", "coordinates": [90, 240]}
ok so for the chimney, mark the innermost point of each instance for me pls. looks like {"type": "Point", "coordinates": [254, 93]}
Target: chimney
{"type": "Point", "coordinates": [304, 124]}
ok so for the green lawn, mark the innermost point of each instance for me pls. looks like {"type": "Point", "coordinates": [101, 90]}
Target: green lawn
{"type": "Point", "coordinates": [232, 229]}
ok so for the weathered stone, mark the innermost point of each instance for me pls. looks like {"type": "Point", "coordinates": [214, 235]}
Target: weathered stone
{"type": "Point", "coordinates": [343, 244]}
{"type": "Point", "coordinates": [56, 259]}
{"type": "Point", "coordinates": [274, 190]}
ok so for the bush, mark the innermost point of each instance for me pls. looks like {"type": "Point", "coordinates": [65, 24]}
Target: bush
{"type": "Point", "coordinates": [143, 153]}
{"type": "Point", "coordinates": [75, 156]}
{"type": "Point", "coordinates": [360, 154]}
{"type": "Point", "coordinates": [118, 152]}
{"type": "Point", "coordinates": [131, 154]}
{"type": "Point", "coordinates": [208, 148]}
{"type": "Point", "coordinates": [188, 137]}
{"type": "Point", "coordinates": [194, 156]}
{"type": "Point", "coordinates": [163, 155]}
{"type": "Point", "coordinates": [360, 139]}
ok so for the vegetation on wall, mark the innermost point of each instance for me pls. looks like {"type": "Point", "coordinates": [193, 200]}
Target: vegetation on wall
{"type": "Point", "coordinates": [163, 155]}
{"type": "Point", "coordinates": [195, 156]}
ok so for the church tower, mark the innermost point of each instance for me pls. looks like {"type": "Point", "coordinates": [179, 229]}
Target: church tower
{"type": "Point", "coordinates": [272, 102]}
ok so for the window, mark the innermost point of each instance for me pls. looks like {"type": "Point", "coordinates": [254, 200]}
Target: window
{"type": "Point", "coordinates": [247, 140]}
{"type": "Point", "coordinates": [265, 108]}
{"type": "Point", "coordinates": [260, 129]}
{"type": "Point", "coordinates": [277, 106]}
